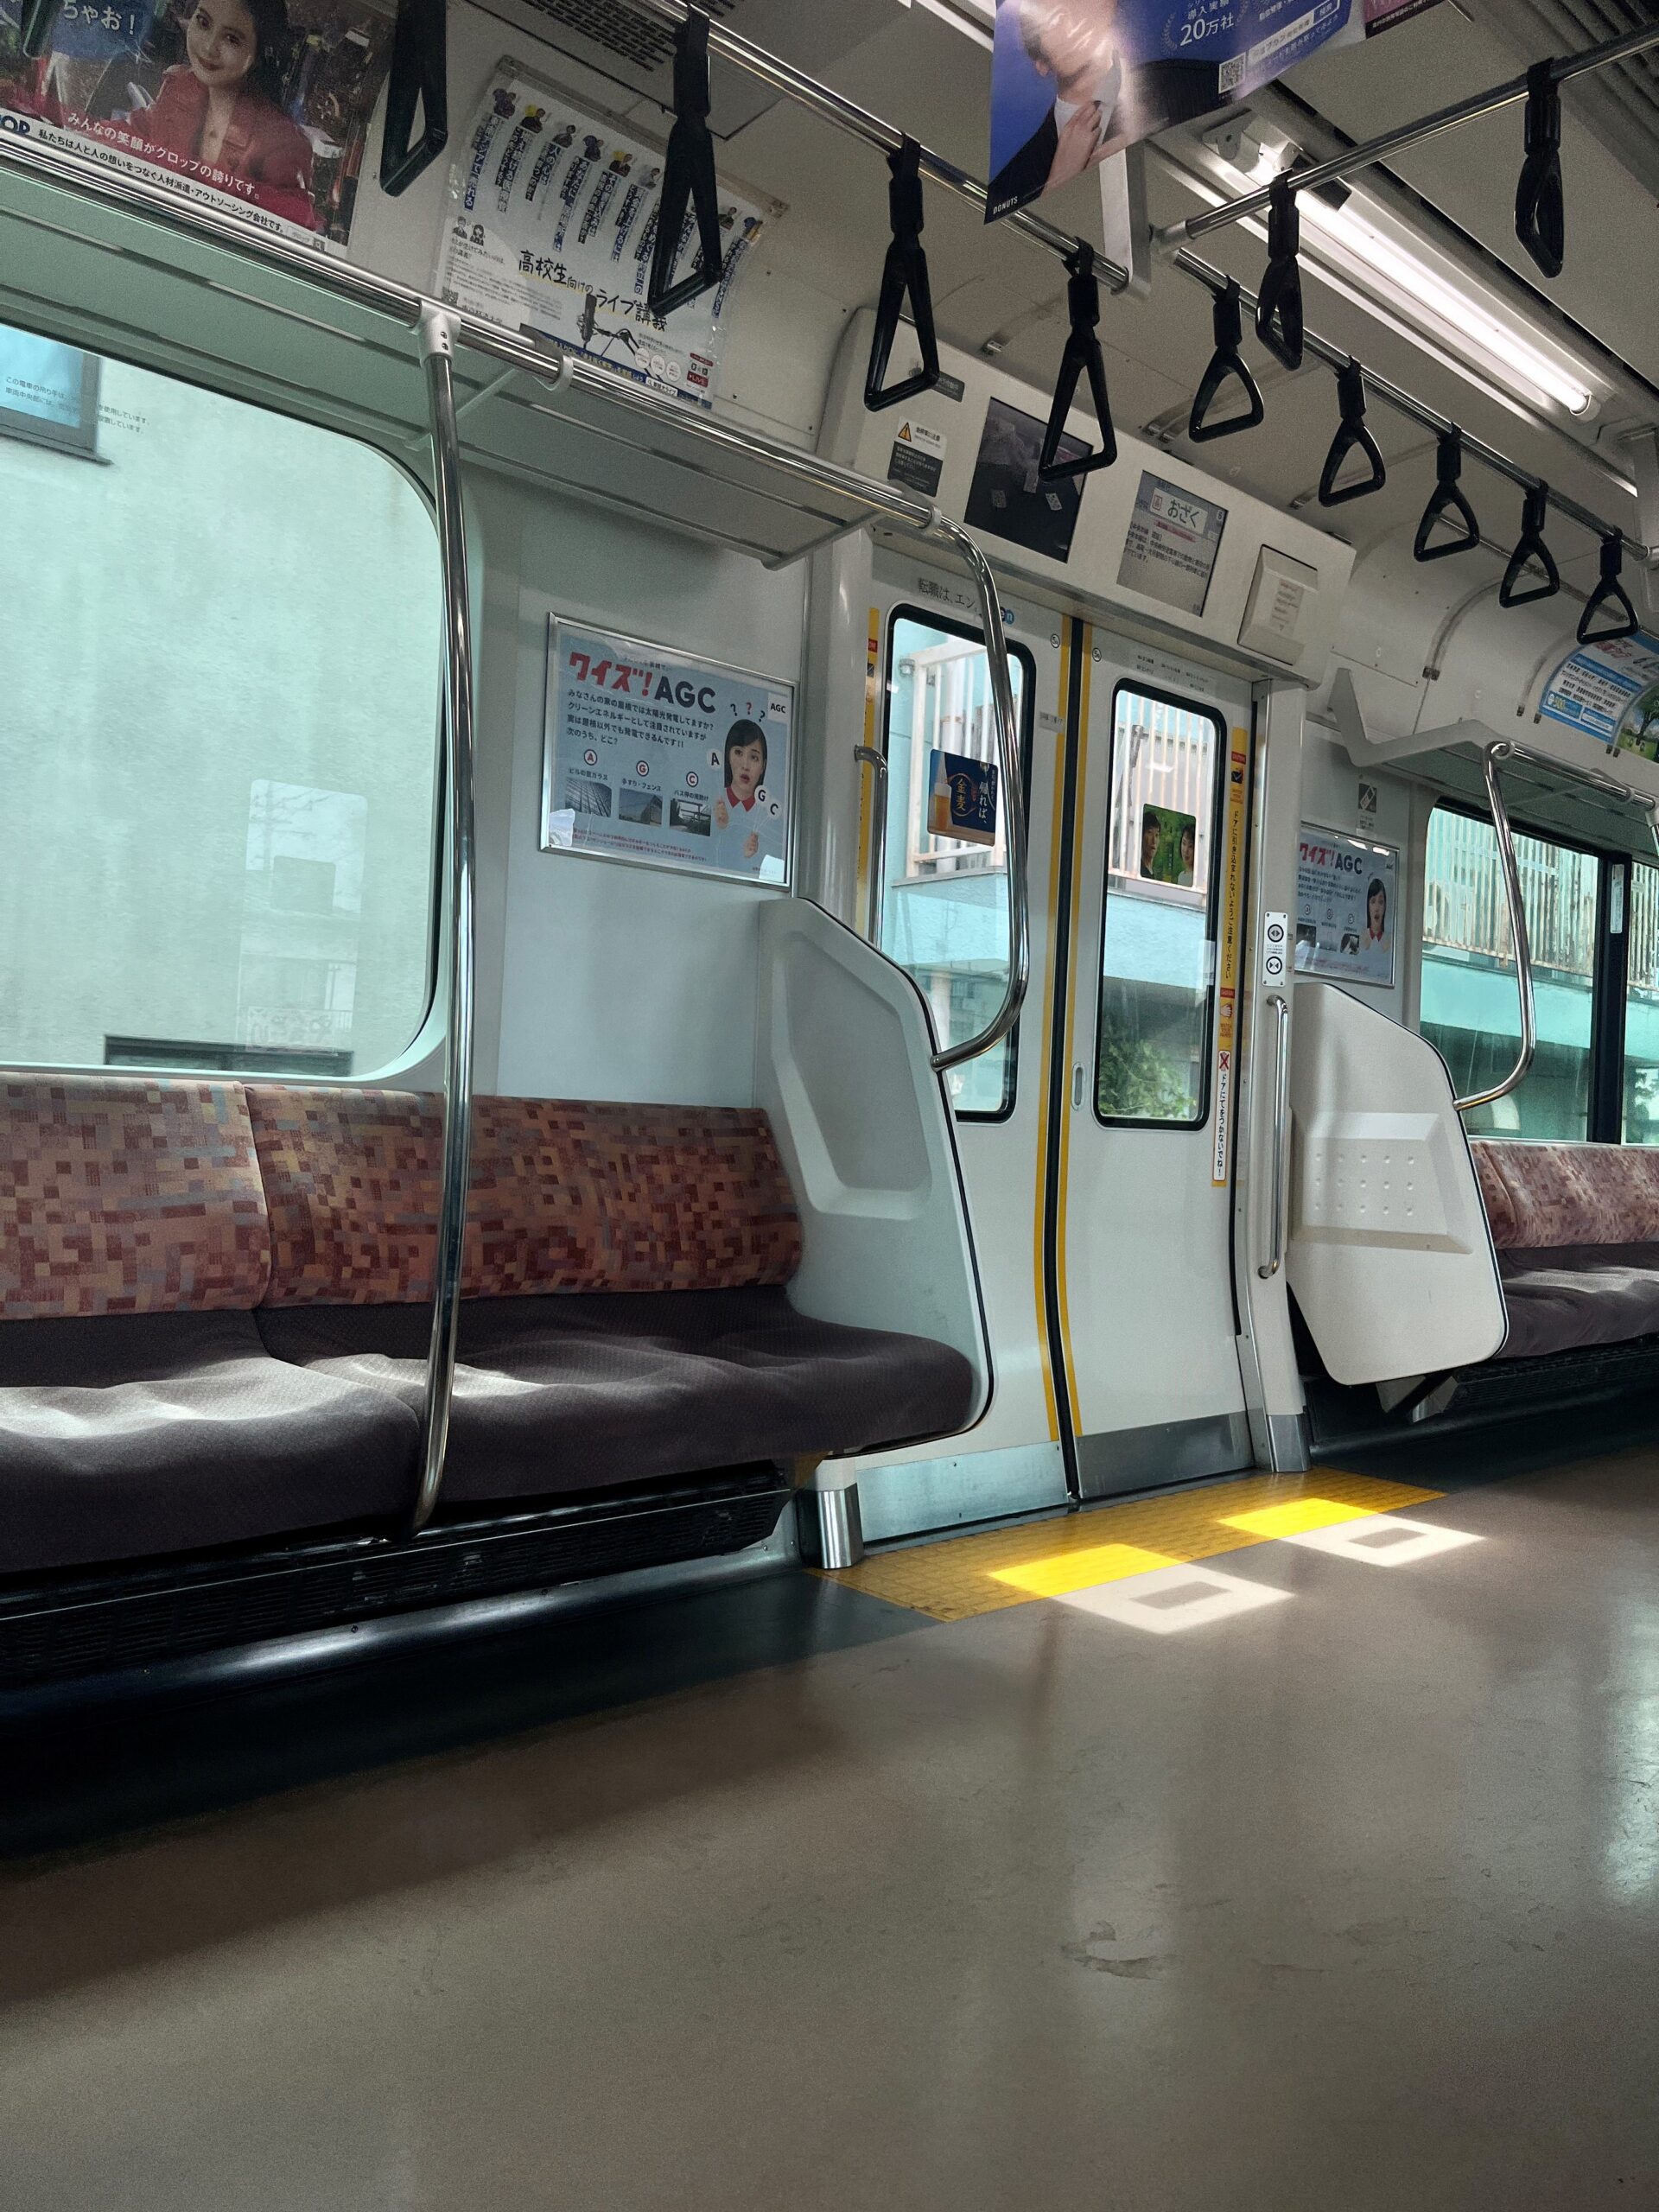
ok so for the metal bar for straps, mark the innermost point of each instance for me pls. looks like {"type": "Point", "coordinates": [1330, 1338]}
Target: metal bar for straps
{"type": "Point", "coordinates": [1511, 873]}
{"type": "Point", "coordinates": [1399, 141]}
{"type": "Point", "coordinates": [1014, 800]}
{"type": "Point", "coordinates": [437, 331]}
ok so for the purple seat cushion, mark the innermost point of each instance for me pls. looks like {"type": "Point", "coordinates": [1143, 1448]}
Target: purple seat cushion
{"type": "Point", "coordinates": [1567, 1298]}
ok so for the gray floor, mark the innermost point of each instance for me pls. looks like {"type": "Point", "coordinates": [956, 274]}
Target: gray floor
{"type": "Point", "coordinates": [1350, 1902]}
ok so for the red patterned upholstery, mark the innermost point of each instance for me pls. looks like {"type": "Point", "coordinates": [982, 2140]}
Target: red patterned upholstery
{"type": "Point", "coordinates": [123, 1196]}
{"type": "Point", "coordinates": [564, 1197]}
{"type": "Point", "coordinates": [1546, 1197]}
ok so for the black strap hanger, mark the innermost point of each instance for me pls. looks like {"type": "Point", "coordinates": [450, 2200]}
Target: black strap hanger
{"type": "Point", "coordinates": [1082, 357]}
{"type": "Point", "coordinates": [688, 178]}
{"type": "Point", "coordinates": [1227, 361]}
{"type": "Point", "coordinates": [35, 25]}
{"type": "Point", "coordinates": [904, 277]}
{"type": "Point", "coordinates": [1610, 591]}
{"type": "Point", "coordinates": [1352, 436]}
{"type": "Point", "coordinates": [1540, 197]}
{"type": "Point", "coordinates": [420, 78]}
{"type": "Point", "coordinates": [1534, 515]}
{"type": "Point", "coordinates": [1447, 498]}
{"type": "Point", "coordinates": [1279, 307]}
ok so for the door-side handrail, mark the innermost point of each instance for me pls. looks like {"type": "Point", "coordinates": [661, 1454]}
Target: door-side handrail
{"type": "Point", "coordinates": [1275, 1259]}
{"type": "Point", "coordinates": [1518, 938]}
{"type": "Point", "coordinates": [438, 332]}
{"type": "Point", "coordinates": [876, 763]}
{"type": "Point", "coordinates": [1013, 800]}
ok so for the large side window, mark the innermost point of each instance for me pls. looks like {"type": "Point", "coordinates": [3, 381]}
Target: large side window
{"type": "Point", "coordinates": [1640, 1084]}
{"type": "Point", "coordinates": [1470, 1010]}
{"type": "Point", "coordinates": [217, 731]}
{"type": "Point", "coordinates": [944, 905]}
{"type": "Point", "coordinates": [1158, 948]}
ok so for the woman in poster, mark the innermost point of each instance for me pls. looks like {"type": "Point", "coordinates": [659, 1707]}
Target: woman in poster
{"type": "Point", "coordinates": [1376, 915]}
{"type": "Point", "coordinates": [746, 832]}
{"type": "Point", "coordinates": [220, 113]}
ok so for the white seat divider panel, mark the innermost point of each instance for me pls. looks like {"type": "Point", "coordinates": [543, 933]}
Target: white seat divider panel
{"type": "Point", "coordinates": [1390, 1257]}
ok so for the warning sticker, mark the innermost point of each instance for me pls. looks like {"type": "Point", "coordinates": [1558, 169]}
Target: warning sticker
{"type": "Point", "coordinates": [918, 459]}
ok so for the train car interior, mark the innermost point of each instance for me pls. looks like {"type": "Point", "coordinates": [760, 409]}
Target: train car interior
{"type": "Point", "coordinates": [830, 946]}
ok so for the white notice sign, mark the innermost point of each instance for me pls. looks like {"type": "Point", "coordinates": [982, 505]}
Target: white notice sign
{"type": "Point", "coordinates": [1170, 552]}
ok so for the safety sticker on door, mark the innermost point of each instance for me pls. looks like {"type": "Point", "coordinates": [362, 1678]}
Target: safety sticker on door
{"type": "Point", "coordinates": [917, 460]}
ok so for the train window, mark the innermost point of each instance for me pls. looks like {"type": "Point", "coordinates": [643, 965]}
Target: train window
{"type": "Point", "coordinates": [1470, 1009]}
{"type": "Point", "coordinates": [945, 905]}
{"type": "Point", "coordinates": [1158, 948]}
{"type": "Point", "coordinates": [218, 737]}
{"type": "Point", "coordinates": [1640, 1084]}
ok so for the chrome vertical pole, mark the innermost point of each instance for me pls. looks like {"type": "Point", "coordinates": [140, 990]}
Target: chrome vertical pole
{"type": "Point", "coordinates": [876, 763]}
{"type": "Point", "coordinates": [437, 331]}
{"type": "Point", "coordinates": [1510, 867]}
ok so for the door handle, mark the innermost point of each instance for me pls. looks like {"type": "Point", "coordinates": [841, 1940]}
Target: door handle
{"type": "Point", "coordinates": [1281, 1140]}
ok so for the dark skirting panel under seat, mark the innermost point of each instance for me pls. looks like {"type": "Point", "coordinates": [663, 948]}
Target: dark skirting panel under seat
{"type": "Point", "coordinates": [574, 1393]}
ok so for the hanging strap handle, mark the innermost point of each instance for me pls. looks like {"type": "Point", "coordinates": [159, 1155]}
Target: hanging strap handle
{"type": "Point", "coordinates": [1448, 498]}
{"type": "Point", "coordinates": [904, 277]}
{"type": "Point", "coordinates": [420, 78]}
{"type": "Point", "coordinates": [688, 178]}
{"type": "Point", "coordinates": [1227, 361]}
{"type": "Point", "coordinates": [1540, 197]}
{"type": "Point", "coordinates": [1082, 357]}
{"type": "Point", "coordinates": [39, 19]}
{"type": "Point", "coordinates": [1278, 307]}
{"type": "Point", "coordinates": [1610, 591]}
{"type": "Point", "coordinates": [1534, 516]}
{"type": "Point", "coordinates": [1352, 436]}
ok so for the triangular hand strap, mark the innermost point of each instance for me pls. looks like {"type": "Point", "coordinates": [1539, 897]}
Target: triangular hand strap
{"type": "Point", "coordinates": [1609, 593]}
{"type": "Point", "coordinates": [1532, 547]}
{"type": "Point", "coordinates": [688, 178]}
{"type": "Point", "coordinates": [904, 277]}
{"type": "Point", "coordinates": [420, 78]}
{"type": "Point", "coordinates": [1082, 357]}
{"type": "Point", "coordinates": [1227, 361]}
{"type": "Point", "coordinates": [1352, 436]}
{"type": "Point", "coordinates": [1540, 197]}
{"type": "Point", "coordinates": [36, 29]}
{"type": "Point", "coordinates": [1279, 308]}
{"type": "Point", "coordinates": [1448, 499]}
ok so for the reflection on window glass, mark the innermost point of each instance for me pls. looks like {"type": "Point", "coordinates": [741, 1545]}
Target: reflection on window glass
{"type": "Point", "coordinates": [1471, 1008]}
{"type": "Point", "coordinates": [48, 392]}
{"type": "Point", "coordinates": [1158, 956]}
{"type": "Point", "coordinates": [218, 742]}
{"type": "Point", "coordinates": [944, 911]}
{"type": "Point", "coordinates": [1642, 1011]}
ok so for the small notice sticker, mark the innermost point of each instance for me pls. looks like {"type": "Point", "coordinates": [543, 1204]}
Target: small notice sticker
{"type": "Point", "coordinates": [918, 459]}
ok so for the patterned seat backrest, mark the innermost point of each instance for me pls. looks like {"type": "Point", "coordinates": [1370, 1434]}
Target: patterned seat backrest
{"type": "Point", "coordinates": [1542, 1197]}
{"type": "Point", "coordinates": [124, 1195]}
{"type": "Point", "coordinates": [565, 1197]}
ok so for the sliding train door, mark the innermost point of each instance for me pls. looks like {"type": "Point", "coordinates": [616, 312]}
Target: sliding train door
{"type": "Point", "coordinates": [1141, 1041]}
{"type": "Point", "coordinates": [1095, 1143]}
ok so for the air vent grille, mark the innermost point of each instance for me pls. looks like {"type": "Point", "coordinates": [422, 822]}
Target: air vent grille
{"type": "Point", "coordinates": [640, 40]}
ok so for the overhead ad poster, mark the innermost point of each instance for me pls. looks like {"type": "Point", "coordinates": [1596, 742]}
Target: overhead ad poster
{"type": "Point", "coordinates": [1073, 81]}
{"type": "Point", "coordinates": [1346, 893]}
{"type": "Point", "coordinates": [1610, 692]}
{"type": "Point", "coordinates": [651, 756]}
{"type": "Point", "coordinates": [550, 227]}
{"type": "Point", "coordinates": [251, 103]}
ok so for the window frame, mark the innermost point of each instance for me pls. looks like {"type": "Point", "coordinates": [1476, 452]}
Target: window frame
{"type": "Point", "coordinates": [422, 1042]}
{"type": "Point", "coordinates": [929, 618]}
{"type": "Point", "coordinates": [1196, 1126]}
{"type": "Point", "coordinates": [1610, 974]}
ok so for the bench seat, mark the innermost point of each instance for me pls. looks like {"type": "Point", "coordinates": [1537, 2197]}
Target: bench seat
{"type": "Point", "coordinates": [577, 1392]}
{"type": "Point", "coordinates": [1578, 1296]}
{"type": "Point", "coordinates": [1576, 1229]}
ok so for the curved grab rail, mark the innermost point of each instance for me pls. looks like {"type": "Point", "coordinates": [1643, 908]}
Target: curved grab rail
{"type": "Point", "coordinates": [1275, 1259]}
{"type": "Point", "coordinates": [437, 350]}
{"type": "Point", "coordinates": [1518, 937]}
{"type": "Point", "coordinates": [1013, 800]}
{"type": "Point", "coordinates": [867, 757]}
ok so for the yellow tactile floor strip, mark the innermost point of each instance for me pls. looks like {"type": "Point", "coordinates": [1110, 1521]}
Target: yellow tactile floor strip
{"type": "Point", "coordinates": [966, 1575]}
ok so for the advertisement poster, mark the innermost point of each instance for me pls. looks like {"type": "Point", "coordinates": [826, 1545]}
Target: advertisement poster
{"type": "Point", "coordinates": [1073, 81]}
{"type": "Point", "coordinates": [962, 799]}
{"type": "Point", "coordinates": [1610, 692]}
{"type": "Point", "coordinates": [550, 226]}
{"type": "Point", "coordinates": [1346, 900]}
{"type": "Point", "coordinates": [252, 104]}
{"type": "Point", "coordinates": [651, 756]}
{"type": "Point", "coordinates": [1169, 846]}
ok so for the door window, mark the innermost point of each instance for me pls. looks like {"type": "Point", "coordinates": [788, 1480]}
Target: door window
{"type": "Point", "coordinates": [945, 905]}
{"type": "Point", "coordinates": [1158, 947]}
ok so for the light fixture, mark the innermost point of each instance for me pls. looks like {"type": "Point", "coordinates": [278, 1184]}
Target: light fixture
{"type": "Point", "coordinates": [1363, 241]}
